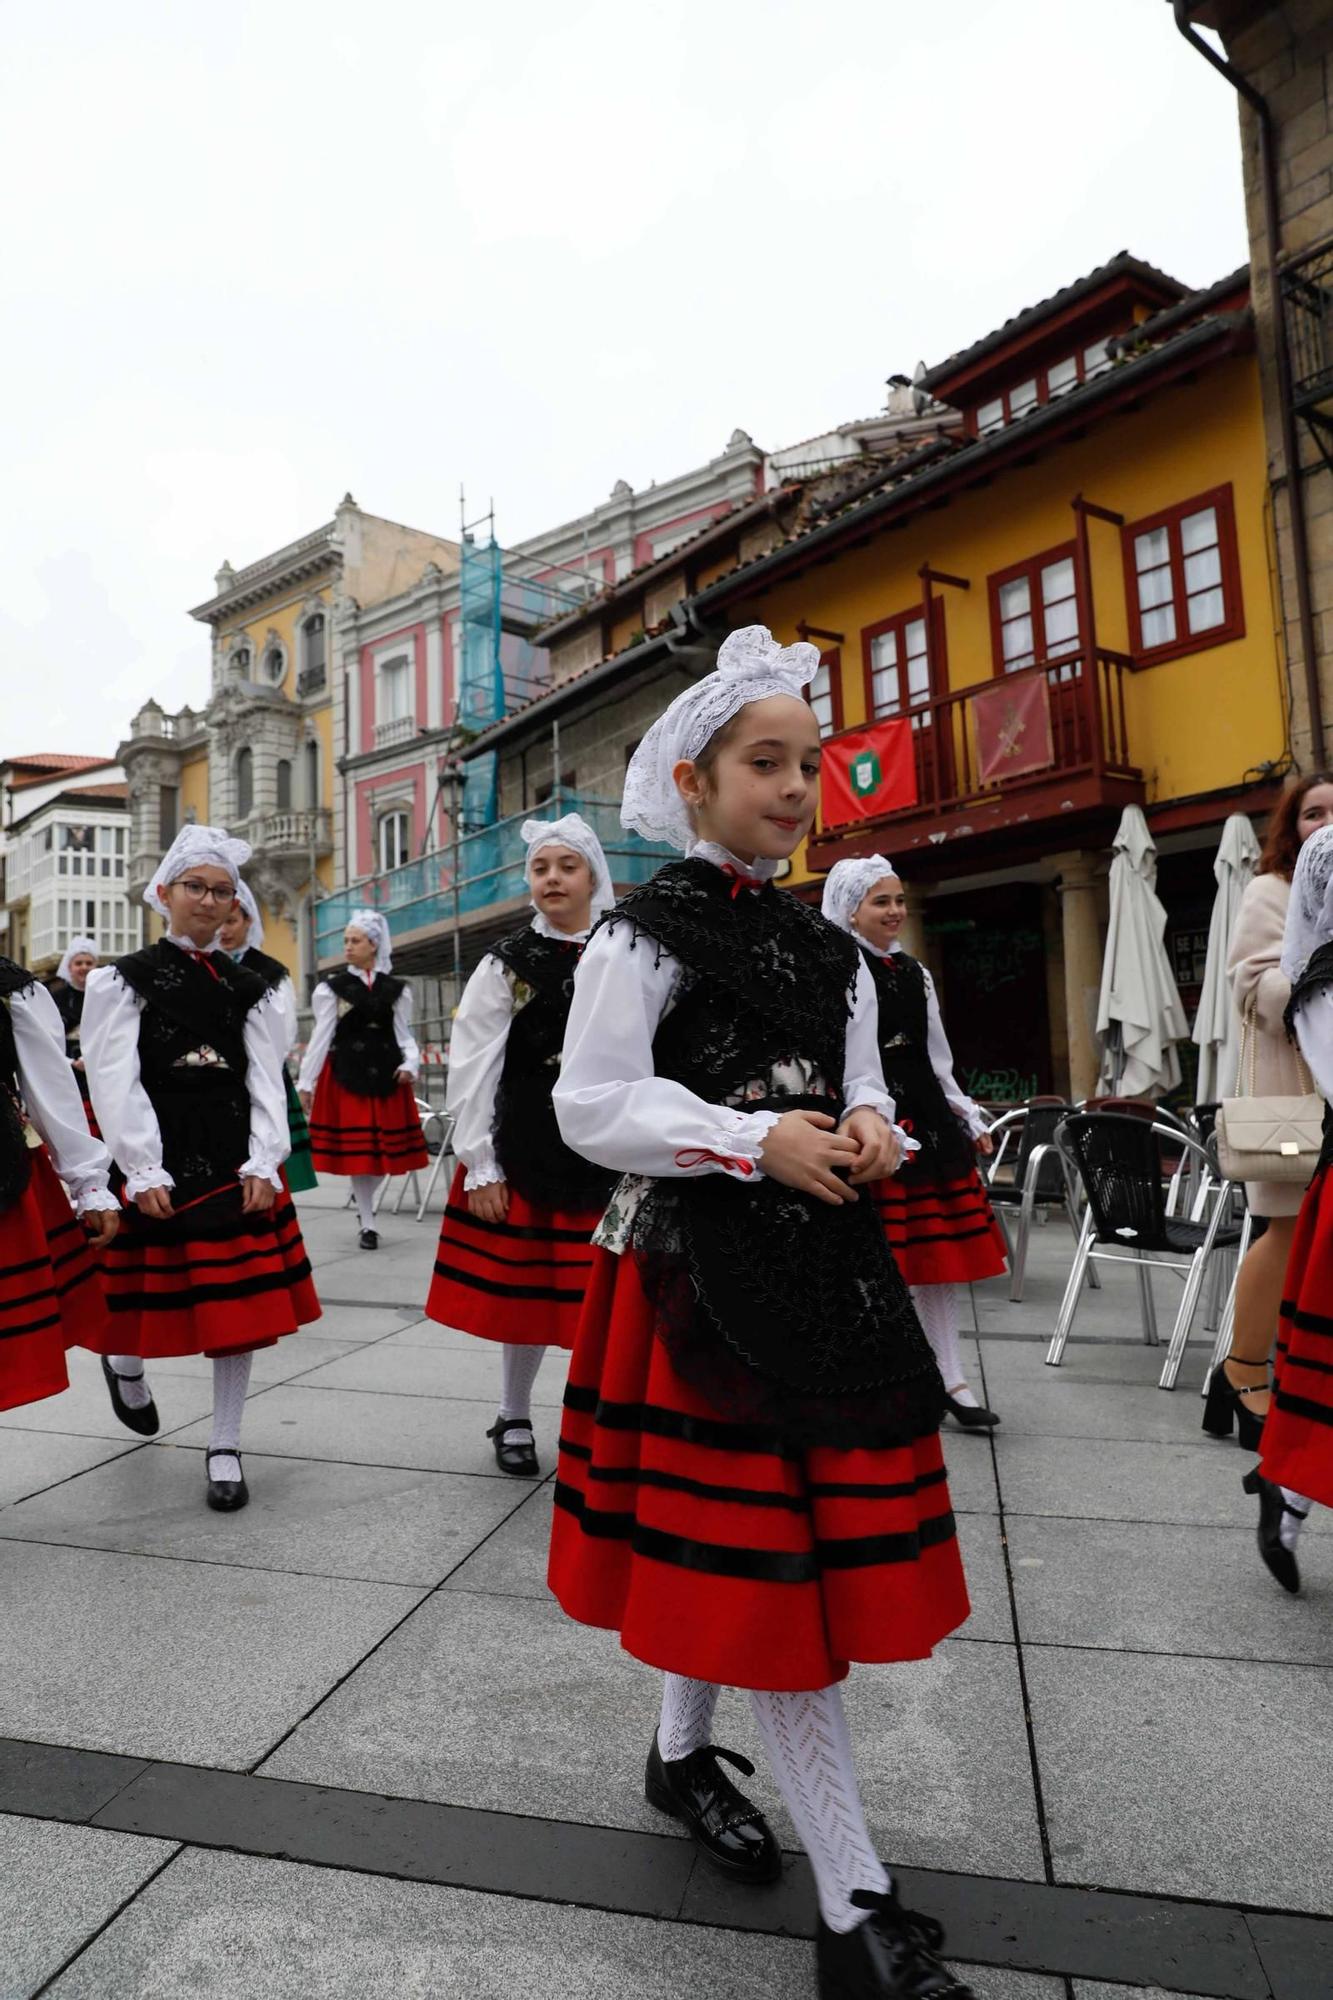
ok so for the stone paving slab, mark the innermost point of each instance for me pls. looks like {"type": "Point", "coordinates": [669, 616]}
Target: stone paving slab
{"type": "Point", "coordinates": [159, 1658]}
{"type": "Point", "coordinates": [31, 1461]}
{"type": "Point", "coordinates": [1117, 1479]}
{"type": "Point", "coordinates": [353, 1428]}
{"type": "Point", "coordinates": [471, 1374]}
{"type": "Point", "coordinates": [84, 1409]}
{"type": "Point", "coordinates": [296, 1354]}
{"type": "Point", "coordinates": [1146, 1788]}
{"type": "Point", "coordinates": [97, 1872]}
{"type": "Point", "coordinates": [349, 1521]}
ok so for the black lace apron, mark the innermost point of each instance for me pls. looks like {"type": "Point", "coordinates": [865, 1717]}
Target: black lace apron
{"type": "Point", "coordinates": [922, 1109]}
{"type": "Point", "coordinates": [532, 1155]}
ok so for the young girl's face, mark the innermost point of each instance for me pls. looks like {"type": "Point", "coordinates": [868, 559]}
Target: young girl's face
{"type": "Point", "coordinates": [1316, 811]}
{"type": "Point", "coordinates": [234, 927]}
{"type": "Point", "coordinates": [195, 905]}
{"type": "Point", "coordinates": [358, 949]}
{"type": "Point", "coordinates": [758, 800]}
{"type": "Point", "coordinates": [561, 883]}
{"type": "Point", "coordinates": [80, 966]}
{"type": "Point", "coordinates": [881, 911]}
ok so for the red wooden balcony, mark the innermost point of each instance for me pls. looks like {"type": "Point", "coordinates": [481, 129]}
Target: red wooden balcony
{"type": "Point", "coordinates": [1088, 770]}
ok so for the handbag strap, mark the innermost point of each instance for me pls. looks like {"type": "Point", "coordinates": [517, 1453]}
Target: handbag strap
{"type": "Point", "coordinates": [1249, 1038]}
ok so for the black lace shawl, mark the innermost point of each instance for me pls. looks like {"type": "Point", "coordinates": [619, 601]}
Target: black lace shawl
{"type": "Point", "coordinates": [778, 1307]}
{"type": "Point", "coordinates": [531, 1153]}
{"type": "Point", "coordinates": [15, 1158]}
{"type": "Point", "coordinates": [69, 1001]}
{"type": "Point", "coordinates": [921, 1107]}
{"type": "Point", "coordinates": [365, 1055]}
{"type": "Point", "coordinates": [1317, 975]}
{"type": "Point", "coordinates": [271, 970]}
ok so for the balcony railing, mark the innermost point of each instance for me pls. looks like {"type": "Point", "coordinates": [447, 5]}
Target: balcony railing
{"type": "Point", "coordinates": [1306, 284]}
{"type": "Point", "coordinates": [294, 832]}
{"type": "Point", "coordinates": [480, 870]}
{"type": "Point", "coordinates": [401, 729]}
{"type": "Point", "coordinates": [1085, 696]}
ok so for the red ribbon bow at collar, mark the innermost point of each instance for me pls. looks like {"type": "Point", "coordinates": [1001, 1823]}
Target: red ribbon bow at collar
{"type": "Point", "coordinates": [204, 958]}
{"type": "Point", "coordinates": [739, 880]}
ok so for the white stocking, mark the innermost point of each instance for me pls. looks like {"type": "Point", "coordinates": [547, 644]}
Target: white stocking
{"type": "Point", "coordinates": [810, 1750]}
{"type": "Point", "coordinates": [135, 1393]}
{"type": "Point", "coordinates": [231, 1379]}
{"type": "Point", "coordinates": [1294, 1518]}
{"type": "Point", "coordinates": [363, 1191]}
{"type": "Point", "coordinates": [687, 1716]}
{"type": "Point", "coordinates": [520, 1365]}
{"type": "Point", "coordinates": [937, 1309]}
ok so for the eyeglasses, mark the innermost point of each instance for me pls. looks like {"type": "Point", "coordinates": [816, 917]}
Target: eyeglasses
{"type": "Point", "coordinates": [200, 890]}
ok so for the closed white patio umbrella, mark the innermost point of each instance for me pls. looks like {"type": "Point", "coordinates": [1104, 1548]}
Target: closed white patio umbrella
{"type": "Point", "coordinates": [1217, 1024]}
{"type": "Point", "coordinates": [1139, 1015]}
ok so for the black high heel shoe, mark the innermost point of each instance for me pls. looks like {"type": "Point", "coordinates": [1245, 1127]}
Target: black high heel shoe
{"type": "Point", "coordinates": [1223, 1407]}
{"type": "Point", "coordinates": [971, 1417]}
{"type": "Point", "coordinates": [1279, 1561]}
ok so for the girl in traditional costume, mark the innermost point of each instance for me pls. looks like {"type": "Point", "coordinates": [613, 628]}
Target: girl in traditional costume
{"type": "Point", "coordinates": [242, 938]}
{"type": "Point", "coordinates": [514, 1252]}
{"type": "Point", "coordinates": [937, 1216]}
{"type": "Point", "coordinates": [186, 1079]}
{"type": "Point", "coordinates": [67, 990]}
{"type": "Point", "coordinates": [359, 1068]}
{"type": "Point", "coordinates": [751, 1489]}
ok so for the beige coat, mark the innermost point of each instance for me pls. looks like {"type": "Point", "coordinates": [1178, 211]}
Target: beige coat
{"type": "Point", "coordinates": [1258, 985]}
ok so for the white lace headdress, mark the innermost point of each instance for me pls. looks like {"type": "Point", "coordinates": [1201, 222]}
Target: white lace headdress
{"type": "Point", "coordinates": [848, 883]}
{"type": "Point", "coordinates": [571, 831]}
{"type": "Point", "coordinates": [72, 950]}
{"type": "Point", "coordinates": [254, 931]}
{"type": "Point", "coordinates": [197, 847]}
{"type": "Point", "coordinates": [751, 666]}
{"type": "Point", "coordinates": [1310, 911]}
{"type": "Point", "coordinates": [376, 928]}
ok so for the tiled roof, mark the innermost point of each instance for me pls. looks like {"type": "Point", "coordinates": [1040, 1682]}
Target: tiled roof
{"type": "Point", "coordinates": [43, 765]}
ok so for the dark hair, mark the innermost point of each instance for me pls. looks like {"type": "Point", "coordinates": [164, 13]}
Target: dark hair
{"type": "Point", "coordinates": [706, 761]}
{"type": "Point", "coordinates": [1282, 842]}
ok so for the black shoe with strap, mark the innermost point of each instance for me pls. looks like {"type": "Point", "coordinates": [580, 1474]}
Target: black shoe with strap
{"type": "Point", "coordinates": [225, 1496]}
{"type": "Point", "coordinates": [726, 1827]}
{"type": "Point", "coordinates": [893, 1955]}
{"type": "Point", "coordinates": [1279, 1560]}
{"type": "Point", "coordinates": [971, 1416]}
{"type": "Point", "coordinates": [1223, 1407]}
{"type": "Point", "coordinates": [370, 1239]}
{"type": "Point", "coordinates": [145, 1419]}
{"type": "Point", "coordinates": [515, 1447]}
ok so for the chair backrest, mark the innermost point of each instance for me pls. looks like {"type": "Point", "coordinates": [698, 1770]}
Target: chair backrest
{"type": "Point", "coordinates": [1118, 1159]}
{"type": "Point", "coordinates": [1125, 1107]}
{"type": "Point", "coordinates": [1043, 1116]}
{"type": "Point", "coordinates": [1205, 1120]}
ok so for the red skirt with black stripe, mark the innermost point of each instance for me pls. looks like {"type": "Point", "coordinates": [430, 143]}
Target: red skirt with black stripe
{"type": "Point", "coordinates": [50, 1289]}
{"type": "Point", "coordinates": [1297, 1449]}
{"type": "Point", "coordinates": [353, 1134]}
{"type": "Point", "coordinates": [210, 1281]}
{"type": "Point", "coordinates": [941, 1227]}
{"type": "Point", "coordinates": [718, 1549]}
{"type": "Point", "coordinates": [521, 1280]}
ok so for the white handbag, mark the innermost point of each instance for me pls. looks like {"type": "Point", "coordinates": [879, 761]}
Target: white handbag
{"type": "Point", "coordinates": [1268, 1138]}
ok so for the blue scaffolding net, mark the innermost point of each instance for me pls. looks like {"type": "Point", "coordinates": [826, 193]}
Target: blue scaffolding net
{"type": "Point", "coordinates": [481, 684]}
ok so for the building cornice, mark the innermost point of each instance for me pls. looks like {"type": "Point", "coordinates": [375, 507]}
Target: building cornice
{"type": "Point", "coordinates": [298, 560]}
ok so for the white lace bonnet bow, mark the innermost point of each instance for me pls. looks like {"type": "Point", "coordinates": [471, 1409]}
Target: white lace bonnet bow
{"type": "Point", "coordinates": [376, 928]}
{"type": "Point", "coordinates": [1310, 911]}
{"type": "Point", "coordinates": [197, 847]}
{"type": "Point", "coordinates": [848, 883]}
{"type": "Point", "coordinates": [751, 666]}
{"type": "Point", "coordinates": [571, 831]}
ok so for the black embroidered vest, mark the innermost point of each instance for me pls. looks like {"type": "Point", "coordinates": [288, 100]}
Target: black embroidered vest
{"type": "Point", "coordinates": [777, 1306]}
{"type": "Point", "coordinates": [921, 1106]}
{"type": "Point", "coordinates": [15, 1157]}
{"type": "Point", "coordinates": [193, 1065]}
{"type": "Point", "coordinates": [69, 1000]}
{"type": "Point", "coordinates": [531, 1153]}
{"type": "Point", "coordinates": [366, 1057]}
{"type": "Point", "coordinates": [271, 970]}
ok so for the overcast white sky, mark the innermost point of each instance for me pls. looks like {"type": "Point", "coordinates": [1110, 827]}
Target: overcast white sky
{"type": "Point", "coordinates": [258, 254]}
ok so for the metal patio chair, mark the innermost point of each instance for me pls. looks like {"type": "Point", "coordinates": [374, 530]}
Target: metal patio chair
{"type": "Point", "coordinates": [1118, 1159]}
{"type": "Point", "coordinates": [444, 1154]}
{"type": "Point", "coordinates": [1041, 1180]}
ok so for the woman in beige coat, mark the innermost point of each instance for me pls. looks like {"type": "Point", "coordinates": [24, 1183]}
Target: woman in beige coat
{"type": "Point", "coordinates": [1240, 1390]}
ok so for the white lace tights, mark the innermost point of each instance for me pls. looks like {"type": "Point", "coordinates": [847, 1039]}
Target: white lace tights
{"type": "Point", "coordinates": [687, 1715]}
{"type": "Point", "coordinates": [937, 1309]}
{"type": "Point", "coordinates": [519, 1372]}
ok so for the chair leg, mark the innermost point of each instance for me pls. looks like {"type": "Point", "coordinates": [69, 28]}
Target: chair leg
{"type": "Point", "coordinates": [431, 1179]}
{"type": "Point", "coordinates": [380, 1193]}
{"type": "Point", "coordinates": [407, 1180]}
{"type": "Point", "coordinates": [1094, 1282]}
{"type": "Point", "coordinates": [1069, 1303]}
{"type": "Point", "coordinates": [1019, 1262]}
{"type": "Point", "coordinates": [1148, 1306]}
{"type": "Point", "coordinates": [1180, 1333]}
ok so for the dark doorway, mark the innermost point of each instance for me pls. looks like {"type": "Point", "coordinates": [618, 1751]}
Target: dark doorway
{"type": "Point", "coordinates": [993, 992]}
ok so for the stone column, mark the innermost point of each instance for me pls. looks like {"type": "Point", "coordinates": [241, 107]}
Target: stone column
{"type": "Point", "coordinates": [1077, 886]}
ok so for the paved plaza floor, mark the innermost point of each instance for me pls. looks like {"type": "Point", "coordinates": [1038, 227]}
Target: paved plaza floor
{"type": "Point", "coordinates": [344, 1743]}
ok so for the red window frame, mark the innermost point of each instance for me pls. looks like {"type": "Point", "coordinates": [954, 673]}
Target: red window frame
{"type": "Point", "coordinates": [1222, 500]}
{"type": "Point", "coordinates": [832, 659]}
{"type": "Point", "coordinates": [1031, 567]}
{"type": "Point", "coordinates": [1041, 375]}
{"type": "Point", "coordinates": [937, 661]}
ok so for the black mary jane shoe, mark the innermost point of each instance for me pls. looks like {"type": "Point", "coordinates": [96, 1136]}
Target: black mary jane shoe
{"type": "Point", "coordinates": [726, 1827]}
{"type": "Point", "coordinates": [226, 1496]}
{"type": "Point", "coordinates": [1279, 1561]}
{"type": "Point", "coordinates": [969, 1418]}
{"type": "Point", "coordinates": [1224, 1408]}
{"type": "Point", "coordinates": [514, 1454]}
{"type": "Point", "coordinates": [145, 1420]}
{"type": "Point", "coordinates": [893, 1955]}
{"type": "Point", "coordinates": [370, 1239]}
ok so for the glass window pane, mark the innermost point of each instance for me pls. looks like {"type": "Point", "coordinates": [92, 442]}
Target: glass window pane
{"type": "Point", "coordinates": [1061, 375]}
{"type": "Point", "coordinates": [884, 691]}
{"type": "Point", "coordinates": [914, 638]}
{"type": "Point", "coordinates": [1062, 627]}
{"type": "Point", "coordinates": [1095, 358]}
{"type": "Point", "coordinates": [1151, 549]}
{"type": "Point", "coordinates": [990, 416]}
{"type": "Point", "coordinates": [1206, 611]}
{"type": "Point", "coordinates": [1199, 531]}
{"type": "Point", "coordinates": [1204, 570]}
{"type": "Point", "coordinates": [918, 678]}
{"type": "Point", "coordinates": [1016, 639]}
{"type": "Point", "coordinates": [1022, 398]}
{"type": "Point", "coordinates": [1057, 581]}
{"type": "Point", "coordinates": [884, 651]}
{"type": "Point", "coordinates": [1159, 627]}
{"type": "Point", "coordinates": [1154, 588]}
{"type": "Point", "coordinates": [1015, 598]}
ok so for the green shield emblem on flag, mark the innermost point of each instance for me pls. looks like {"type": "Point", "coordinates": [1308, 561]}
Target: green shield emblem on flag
{"type": "Point", "coordinates": [866, 774]}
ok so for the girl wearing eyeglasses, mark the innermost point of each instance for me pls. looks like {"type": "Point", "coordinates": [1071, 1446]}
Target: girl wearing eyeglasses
{"type": "Point", "coordinates": [186, 1077]}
